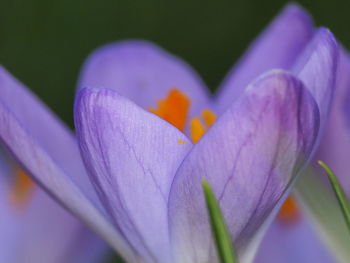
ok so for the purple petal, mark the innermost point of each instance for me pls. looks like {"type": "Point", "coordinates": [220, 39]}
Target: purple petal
{"type": "Point", "coordinates": [293, 242]}
{"type": "Point", "coordinates": [144, 73]}
{"type": "Point", "coordinates": [317, 68]}
{"type": "Point", "coordinates": [250, 156]}
{"type": "Point", "coordinates": [277, 47]}
{"type": "Point", "coordinates": [43, 126]}
{"type": "Point", "coordinates": [335, 144]}
{"type": "Point", "coordinates": [39, 241]}
{"type": "Point", "coordinates": [8, 226]}
{"type": "Point", "coordinates": [48, 151]}
{"type": "Point", "coordinates": [132, 156]}
{"type": "Point", "coordinates": [28, 234]}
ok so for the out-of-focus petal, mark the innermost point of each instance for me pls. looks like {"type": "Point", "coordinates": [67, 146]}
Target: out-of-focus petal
{"type": "Point", "coordinates": [51, 235]}
{"type": "Point", "coordinates": [144, 73]}
{"type": "Point", "coordinates": [277, 47]}
{"type": "Point", "coordinates": [9, 227]}
{"type": "Point", "coordinates": [328, 218]}
{"type": "Point", "coordinates": [250, 157]}
{"type": "Point", "coordinates": [52, 135]}
{"type": "Point", "coordinates": [27, 230]}
{"type": "Point", "coordinates": [49, 153]}
{"type": "Point", "coordinates": [68, 241]}
{"type": "Point", "coordinates": [90, 250]}
{"type": "Point", "coordinates": [317, 68]}
{"type": "Point", "coordinates": [292, 242]}
{"type": "Point", "coordinates": [131, 156]}
{"type": "Point", "coordinates": [335, 144]}
{"type": "Point", "coordinates": [334, 150]}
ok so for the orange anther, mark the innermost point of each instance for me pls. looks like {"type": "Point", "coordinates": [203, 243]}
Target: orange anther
{"type": "Point", "coordinates": [174, 109]}
{"type": "Point", "coordinates": [289, 211]}
{"type": "Point", "coordinates": [22, 187]}
{"type": "Point", "coordinates": [197, 130]}
{"type": "Point", "coordinates": [209, 117]}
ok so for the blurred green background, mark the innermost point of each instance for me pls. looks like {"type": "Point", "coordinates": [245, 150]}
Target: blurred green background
{"type": "Point", "coordinates": [43, 43]}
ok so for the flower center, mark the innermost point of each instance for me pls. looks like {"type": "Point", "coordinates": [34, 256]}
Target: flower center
{"type": "Point", "coordinates": [174, 109]}
{"type": "Point", "coordinates": [22, 188]}
{"type": "Point", "coordinates": [289, 212]}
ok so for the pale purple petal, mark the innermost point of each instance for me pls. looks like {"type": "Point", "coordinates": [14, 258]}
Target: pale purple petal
{"type": "Point", "coordinates": [89, 250]}
{"type": "Point", "coordinates": [144, 73]}
{"type": "Point", "coordinates": [8, 224]}
{"type": "Point", "coordinates": [250, 157]}
{"type": "Point", "coordinates": [335, 144]}
{"type": "Point", "coordinates": [277, 47]}
{"type": "Point", "coordinates": [40, 230]}
{"type": "Point", "coordinates": [48, 151]}
{"type": "Point", "coordinates": [317, 69]}
{"type": "Point", "coordinates": [51, 235]}
{"type": "Point", "coordinates": [41, 124]}
{"type": "Point", "coordinates": [132, 156]}
{"type": "Point", "coordinates": [291, 242]}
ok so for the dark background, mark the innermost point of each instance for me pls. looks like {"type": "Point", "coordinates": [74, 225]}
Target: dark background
{"type": "Point", "coordinates": [43, 43]}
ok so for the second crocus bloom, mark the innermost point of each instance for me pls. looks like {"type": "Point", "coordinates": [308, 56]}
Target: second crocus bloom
{"type": "Point", "coordinates": [35, 229]}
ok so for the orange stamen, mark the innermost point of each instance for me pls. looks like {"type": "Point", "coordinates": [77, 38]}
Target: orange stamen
{"type": "Point", "coordinates": [197, 130]}
{"type": "Point", "coordinates": [22, 187]}
{"type": "Point", "coordinates": [289, 212]}
{"type": "Point", "coordinates": [209, 117]}
{"type": "Point", "coordinates": [174, 109]}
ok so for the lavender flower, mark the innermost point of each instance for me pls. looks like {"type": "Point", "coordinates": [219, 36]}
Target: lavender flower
{"type": "Point", "coordinates": [136, 109]}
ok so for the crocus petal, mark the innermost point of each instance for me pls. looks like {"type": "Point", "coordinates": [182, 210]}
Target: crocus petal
{"type": "Point", "coordinates": [335, 145]}
{"type": "Point", "coordinates": [89, 250]}
{"type": "Point", "coordinates": [324, 208]}
{"type": "Point", "coordinates": [334, 149]}
{"type": "Point", "coordinates": [48, 151]}
{"type": "Point", "coordinates": [27, 232]}
{"type": "Point", "coordinates": [40, 242]}
{"type": "Point", "coordinates": [291, 242]}
{"type": "Point", "coordinates": [317, 68]}
{"type": "Point", "coordinates": [144, 73]}
{"type": "Point", "coordinates": [8, 227]}
{"type": "Point", "coordinates": [32, 114]}
{"type": "Point", "coordinates": [250, 156]}
{"type": "Point", "coordinates": [277, 47]}
{"type": "Point", "coordinates": [132, 156]}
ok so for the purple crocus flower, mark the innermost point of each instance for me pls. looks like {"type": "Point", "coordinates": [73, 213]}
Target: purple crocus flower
{"type": "Point", "coordinates": [35, 229]}
{"type": "Point", "coordinates": [144, 194]}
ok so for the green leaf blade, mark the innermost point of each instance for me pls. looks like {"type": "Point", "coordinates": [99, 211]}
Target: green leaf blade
{"type": "Point", "coordinates": [222, 238]}
{"type": "Point", "coordinates": [339, 192]}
